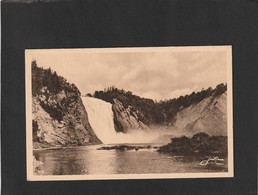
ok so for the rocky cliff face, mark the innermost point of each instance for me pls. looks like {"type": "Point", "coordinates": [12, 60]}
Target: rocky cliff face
{"type": "Point", "coordinates": [209, 116]}
{"type": "Point", "coordinates": [59, 117]}
{"type": "Point", "coordinates": [125, 118]}
{"type": "Point", "coordinates": [193, 113]}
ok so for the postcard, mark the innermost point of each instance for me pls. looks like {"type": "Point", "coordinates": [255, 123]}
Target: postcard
{"type": "Point", "coordinates": [129, 113]}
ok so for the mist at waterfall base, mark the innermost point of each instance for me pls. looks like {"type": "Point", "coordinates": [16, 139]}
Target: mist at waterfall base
{"type": "Point", "coordinates": [101, 119]}
{"type": "Point", "coordinates": [140, 136]}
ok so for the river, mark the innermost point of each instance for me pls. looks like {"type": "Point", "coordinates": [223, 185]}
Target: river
{"type": "Point", "coordinates": [85, 160]}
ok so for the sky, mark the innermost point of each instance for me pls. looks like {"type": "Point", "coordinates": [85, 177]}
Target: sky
{"type": "Point", "coordinates": [158, 75]}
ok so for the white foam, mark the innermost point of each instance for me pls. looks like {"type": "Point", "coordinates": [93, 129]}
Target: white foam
{"type": "Point", "coordinates": [100, 116]}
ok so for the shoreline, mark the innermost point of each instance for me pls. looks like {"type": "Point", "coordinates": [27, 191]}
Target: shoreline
{"type": "Point", "coordinates": [60, 147]}
{"type": "Point", "coordinates": [111, 145]}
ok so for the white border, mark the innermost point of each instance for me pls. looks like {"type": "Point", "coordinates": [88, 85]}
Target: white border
{"type": "Point", "coordinates": [28, 88]}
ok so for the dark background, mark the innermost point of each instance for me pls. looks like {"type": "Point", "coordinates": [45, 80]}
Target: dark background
{"type": "Point", "coordinates": [130, 23]}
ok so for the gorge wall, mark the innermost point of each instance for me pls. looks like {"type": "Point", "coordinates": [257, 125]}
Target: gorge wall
{"type": "Point", "coordinates": [204, 111]}
{"type": "Point", "coordinates": [59, 116]}
{"type": "Point", "coordinates": [126, 119]}
{"type": "Point", "coordinates": [209, 116]}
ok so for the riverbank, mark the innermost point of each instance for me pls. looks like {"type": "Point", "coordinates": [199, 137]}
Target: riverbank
{"type": "Point", "coordinates": [42, 146]}
{"type": "Point", "coordinates": [198, 144]}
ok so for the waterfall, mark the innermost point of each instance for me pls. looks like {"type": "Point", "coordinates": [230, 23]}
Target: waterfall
{"type": "Point", "coordinates": [101, 119]}
{"type": "Point", "coordinates": [100, 116]}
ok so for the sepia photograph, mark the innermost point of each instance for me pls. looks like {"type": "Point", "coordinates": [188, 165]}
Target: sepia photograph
{"type": "Point", "coordinates": [129, 113]}
{"type": "Point", "coordinates": [129, 97]}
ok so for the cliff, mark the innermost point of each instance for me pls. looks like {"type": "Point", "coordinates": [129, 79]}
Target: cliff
{"type": "Point", "coordinates": [59, 116]}
{"type": "Point", "coordinates": [126, 118]}
{"type": "Point", "coordinates": [196, 112]}
{"type": "Point", "coordinates": [145, 110]}
{"type": "Point", "coordinates": [209, 116]}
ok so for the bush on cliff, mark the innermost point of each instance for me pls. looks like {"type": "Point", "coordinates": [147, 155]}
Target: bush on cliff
{"type": "Point", "coordinates": [49, 79]}
{"type": "Point", "coordinates": [46, 84]}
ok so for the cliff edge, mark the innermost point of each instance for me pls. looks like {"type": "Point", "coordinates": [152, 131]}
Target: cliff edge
{"type": "Point", "coordinates": [59, 116]}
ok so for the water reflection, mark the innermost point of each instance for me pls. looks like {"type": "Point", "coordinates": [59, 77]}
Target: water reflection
{"type": "Point", "coordinates": [88, 160]}
{"type": "Point", "coordinates": [100, 161]}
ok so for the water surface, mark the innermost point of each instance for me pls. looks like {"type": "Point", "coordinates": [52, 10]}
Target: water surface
{"type": "Point", "coordinates": [88, 160]}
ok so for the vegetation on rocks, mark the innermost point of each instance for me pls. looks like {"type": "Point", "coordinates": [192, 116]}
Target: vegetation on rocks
{"type": "Point", "coordinates": [46, 84]}
{"type": "Point", "coordinates": [152, 112]}
{"type": "Point", "coordinates": [146, 109]}
{"type": "Point", "coordinates": [171, 107]}
{"type": "Point", "coordinates": [200, 143]}
{"type": "Point", "coordinates": [59, 116]}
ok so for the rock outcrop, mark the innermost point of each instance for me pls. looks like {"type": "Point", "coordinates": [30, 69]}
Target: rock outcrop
{"type": "Point", "coordinates": [199, 111]}
{"type": "Point", "coordinates": [125, 118]}
{"type": "Point", "coordinates": [59, 116]}
{"type": "Point", "coordinates": [209, 116]}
